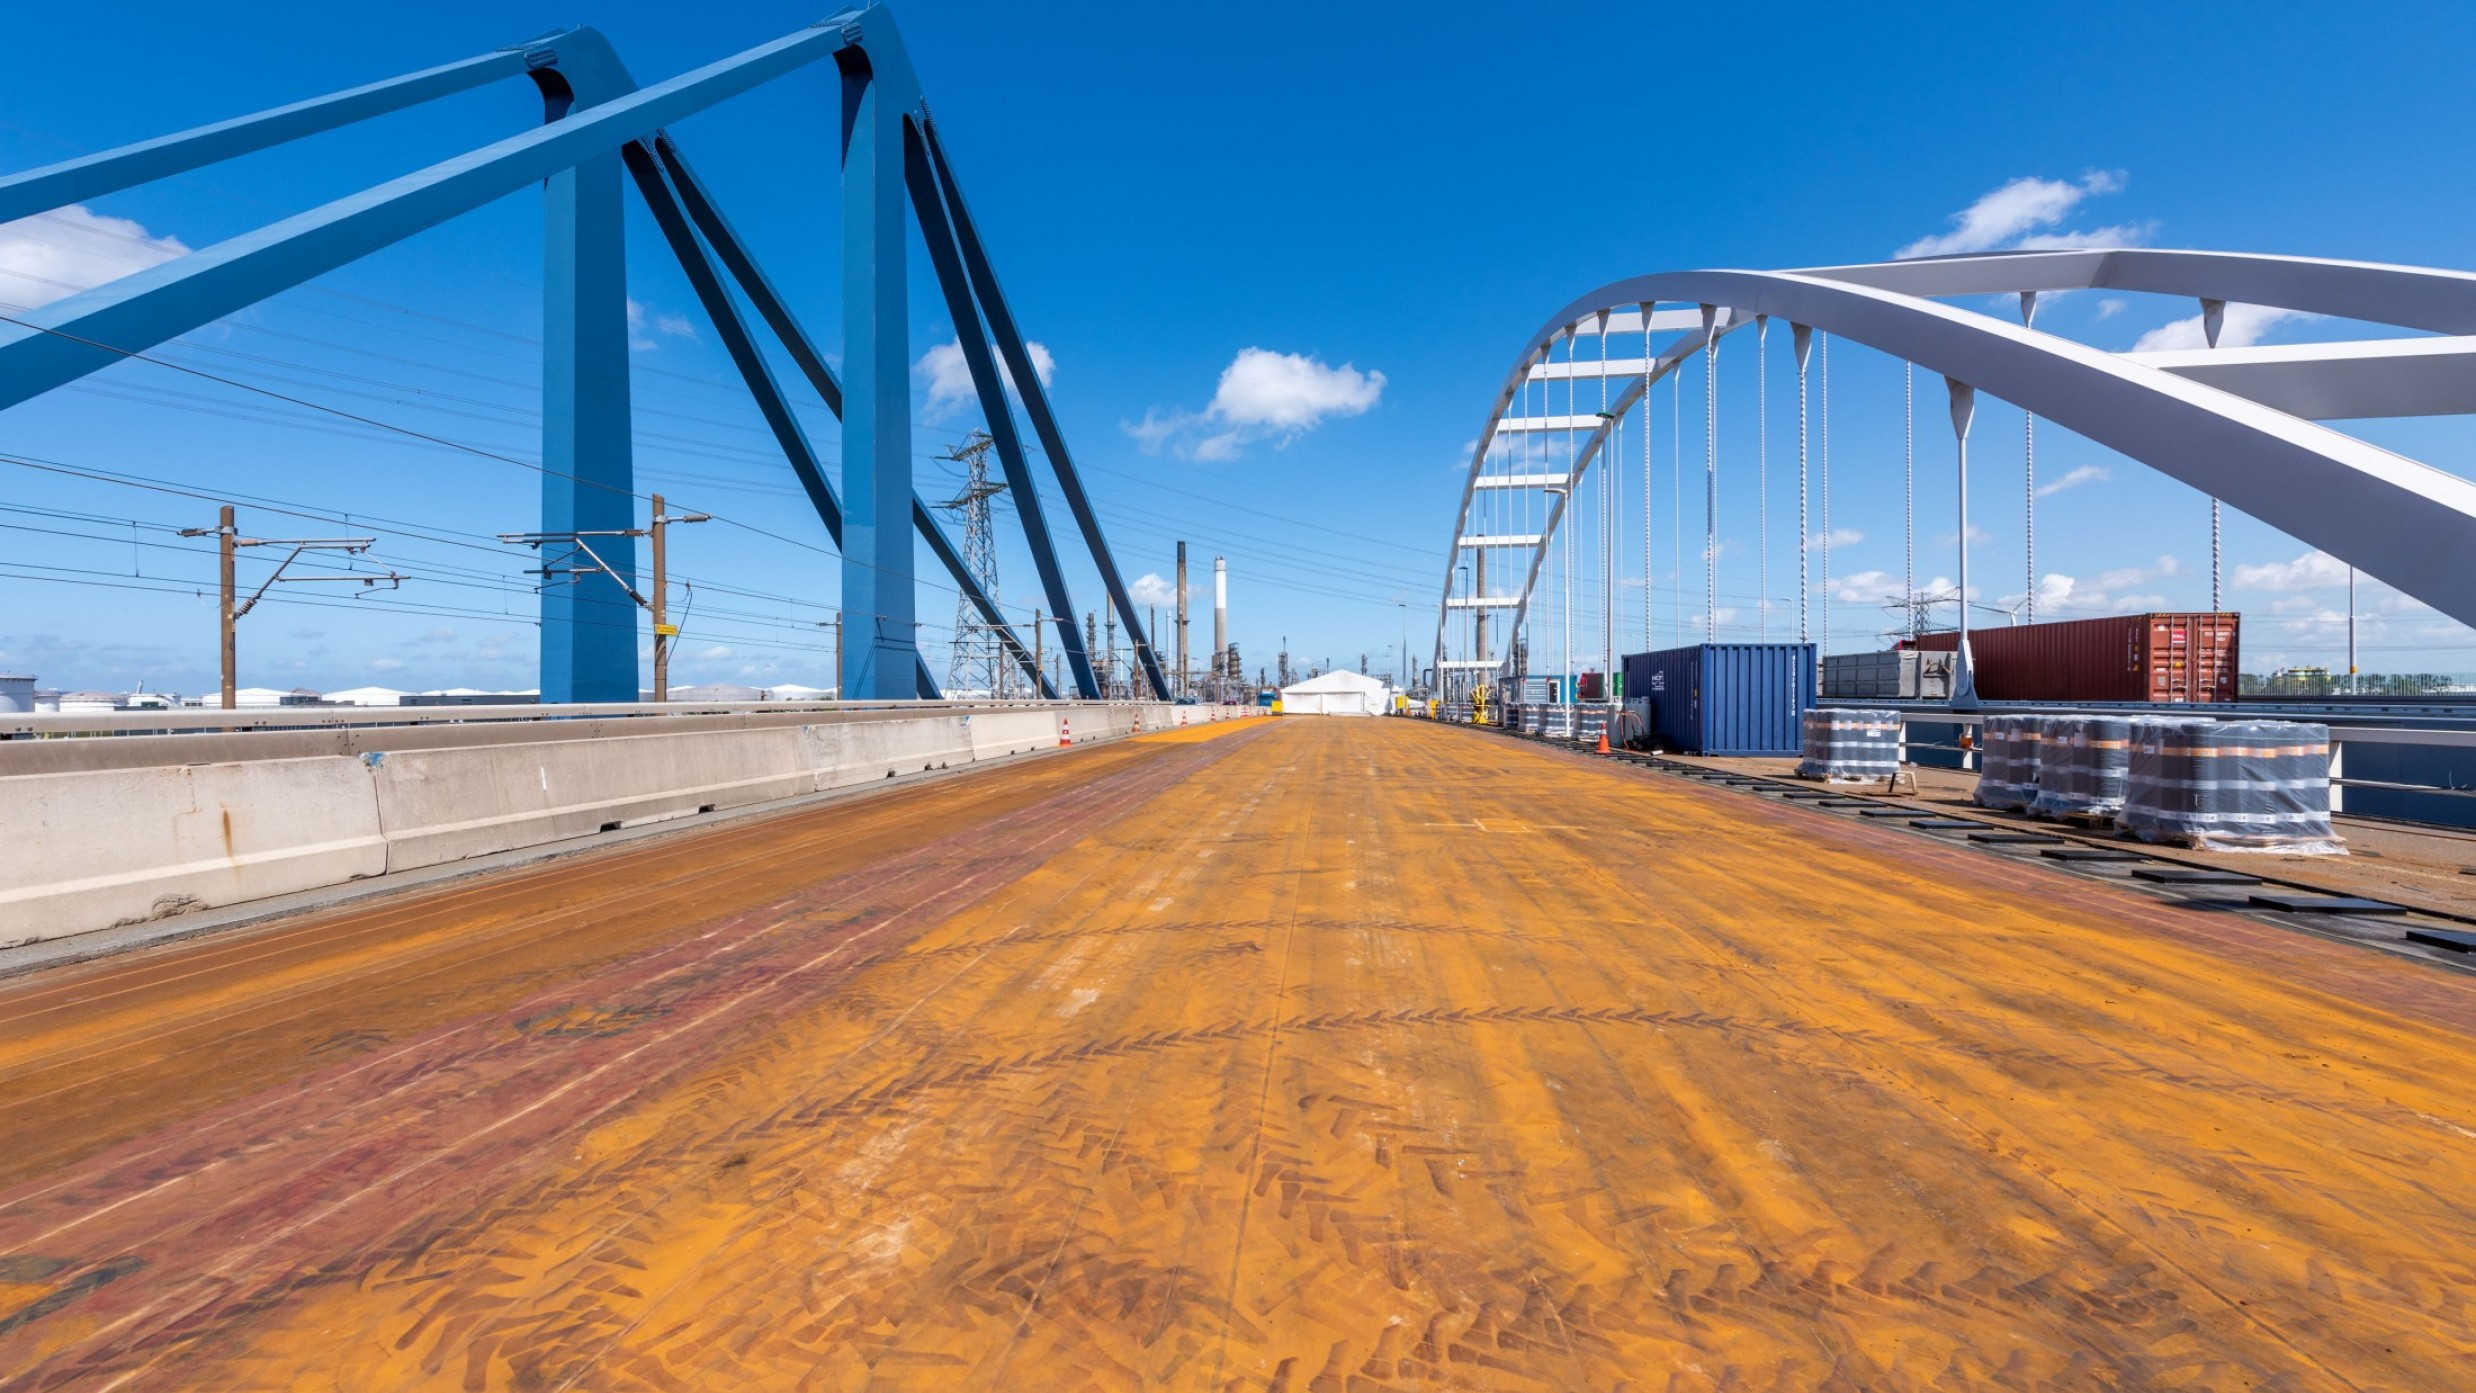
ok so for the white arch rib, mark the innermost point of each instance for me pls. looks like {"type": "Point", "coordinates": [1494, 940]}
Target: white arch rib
{"type": "Point", "coordinates": [2394, 518]}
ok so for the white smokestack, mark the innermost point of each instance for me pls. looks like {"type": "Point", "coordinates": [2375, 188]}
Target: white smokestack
{"type": "Point", "coordinates": [1220, 611]}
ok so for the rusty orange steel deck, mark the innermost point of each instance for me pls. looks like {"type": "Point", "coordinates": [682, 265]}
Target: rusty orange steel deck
{"type": "Point", "coordinates": [1319, 1055]}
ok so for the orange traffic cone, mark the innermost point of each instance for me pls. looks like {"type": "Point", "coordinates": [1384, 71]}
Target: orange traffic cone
{"type": "Point", "coordinates": [1603, 741]}
{"type": "Point", "coordinates": [1065, 731]}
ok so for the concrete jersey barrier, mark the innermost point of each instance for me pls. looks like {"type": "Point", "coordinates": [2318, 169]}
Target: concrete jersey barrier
{"type": "Point", "coordinates": [1001, 734]}
{"type": "Point", "coordinates": [97, 848]}
{"type": "Point", "coordinates": [842, 755]}
{"type": "Point", "coordinates": [436, 806]}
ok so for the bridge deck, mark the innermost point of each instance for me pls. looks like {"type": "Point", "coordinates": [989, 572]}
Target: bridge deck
{"type": "Point", "coordinates": [1319, 1055]}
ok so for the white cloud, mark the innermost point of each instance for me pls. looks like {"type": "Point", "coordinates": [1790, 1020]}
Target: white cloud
{"type": "Point", "coordinates": [1838, 537]}
{"type": "Point", "coordinates": [2128, 576]}
{"type": "Point", "coordinates": [50, 256]}
{"type": "Point", "coordinates": [2085, 474]}
{"type": "Point", "coordinates": [1866, 588]}
{"type": "Point", "coordinates": [715, 654]}
{"type": "Point", "coordinates": [2314, 570]}
{"type": "Point", "coordinates": [2384, 617]}
{"type": "Point", "coordinates": [2023, 214]}
{"type": "Point", "coordinates": [2110, 307]}
{"type": "Point", "coordinates": [1220, 445]}
{"type": "Point", "coordinates": [946, 376]}
{"type": "Point", "coordinates": [387, 665]}
{"type": "Point", "coordinates": [644, 324]}
{"type": "Point", "coordinates": [2244, 326]}
{"type": "Point", "coordinates": [2110, 592]}
{"type": "Point", "coordinates": [1152, 432]}
{"type": "Point", "coordinates": [1262, 395]}
{"type": "Point", "coordinates": [1150, 589]}
{"type": "Point", "coordinates": [1976, 534]}
{"type": "Point", "coordinates": [2119, 235]}
{"type": "Point", "coordinates": [1290, 391]}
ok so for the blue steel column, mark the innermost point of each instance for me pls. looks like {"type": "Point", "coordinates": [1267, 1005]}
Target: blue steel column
{"type": "Point", "coordinates": [589, 471]}
{"type": "Point", "coordinates": [879, 650]}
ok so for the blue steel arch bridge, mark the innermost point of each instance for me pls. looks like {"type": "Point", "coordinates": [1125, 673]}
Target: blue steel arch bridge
{"type": "Point", "coordinates": [603, 134]}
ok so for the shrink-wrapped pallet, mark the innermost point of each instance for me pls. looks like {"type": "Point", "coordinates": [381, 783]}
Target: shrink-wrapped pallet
{"type": "Point", "coordinates": [2231, 786]}
{"type": "Point", "coordinates": [2082, 766]}
{"type": "Point", "coordinates": [2007, 751]}
{"type": "Point", "coordinates": [1848, 745]}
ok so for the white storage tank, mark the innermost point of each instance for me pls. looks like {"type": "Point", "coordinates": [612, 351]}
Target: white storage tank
{"type": "Point", "coordinates": [16, 694]}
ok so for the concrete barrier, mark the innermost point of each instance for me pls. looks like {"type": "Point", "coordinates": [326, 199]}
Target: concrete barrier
{"type": "Point", "coordinates": [217, 822]}
{"type": "Point", "coordinates": [863, 752]}
{"type": "Point", "coordinates": [1105, 723]}
{"type": "Point", "coordinates": [436, 806]}
{"type": "Point", "coordinates": [95, 850]}
{"type": "Point", "coordinates": [999, 734]}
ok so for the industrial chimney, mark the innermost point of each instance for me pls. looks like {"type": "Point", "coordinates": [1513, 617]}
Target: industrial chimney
{"type": "Point", "coordinates": [1220, 611]}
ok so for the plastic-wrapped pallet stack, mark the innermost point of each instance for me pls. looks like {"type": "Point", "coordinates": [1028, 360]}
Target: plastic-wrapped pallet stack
{"type": "Point", "coordinates": [2082, 765]}
{"type": "Point", "coordinates": [1848, 745]}
{"type": "Point", "coordinates": [2231, 786]}
{"type": "Point", "coordinates": [2008, 749]}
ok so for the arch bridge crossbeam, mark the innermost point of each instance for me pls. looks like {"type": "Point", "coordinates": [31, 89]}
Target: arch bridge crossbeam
{"type": "Point", "coordinates": [1639, 375]}
{"type": "Point", "coordinates": [601, 129]}
{"type": "Point", "coordinates": [2397, 519]}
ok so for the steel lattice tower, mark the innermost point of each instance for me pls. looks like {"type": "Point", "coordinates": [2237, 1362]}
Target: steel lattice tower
{"type": "Point", "coordinates": [979, 662]}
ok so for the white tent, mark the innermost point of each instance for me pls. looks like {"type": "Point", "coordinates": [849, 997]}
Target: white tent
{"type": "Point", "coordinates": [1336, 694]}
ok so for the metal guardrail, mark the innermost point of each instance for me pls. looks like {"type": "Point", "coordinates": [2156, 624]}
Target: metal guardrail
{"type": "Point", "coordinates": [176, 720]}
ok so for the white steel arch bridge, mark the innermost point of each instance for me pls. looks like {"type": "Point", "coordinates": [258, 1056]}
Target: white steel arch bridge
{"type": "Point", "coordinates": [2243, 425]}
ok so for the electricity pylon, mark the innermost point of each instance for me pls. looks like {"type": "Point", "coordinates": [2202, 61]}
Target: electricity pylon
{"type": "Point", "coordinates": [979, 662]}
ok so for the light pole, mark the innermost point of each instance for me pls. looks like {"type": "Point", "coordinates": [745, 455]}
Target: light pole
{"type": "Point", "coordinates": [1964, 679]}
{"type": "Point", "coordinates": [1401, 662]}
{"type": "Point", "coordinates": [1464, 573]}
{"type": "Point", "coordinates": [1564, 682]}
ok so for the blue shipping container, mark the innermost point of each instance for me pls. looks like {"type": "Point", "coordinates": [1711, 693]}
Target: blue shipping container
{"type": "Point", "coordinates": [1725, 698]}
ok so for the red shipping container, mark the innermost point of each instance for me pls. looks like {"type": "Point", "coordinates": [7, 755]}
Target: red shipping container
{"type": "Point", "coordinates": [2123, 657]}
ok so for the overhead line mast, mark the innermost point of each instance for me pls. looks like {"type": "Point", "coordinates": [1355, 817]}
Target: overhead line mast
{"type": "Point", "coordinates": [978, 661]}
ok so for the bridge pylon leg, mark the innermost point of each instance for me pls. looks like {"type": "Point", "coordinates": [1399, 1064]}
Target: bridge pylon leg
{"type": "Point", "coordinates": [882, 656]}
{"type": "Point", "coordinates": [589, 474]}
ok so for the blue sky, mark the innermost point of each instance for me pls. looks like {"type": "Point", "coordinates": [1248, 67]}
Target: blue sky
{"type": "Point", "coordinates": [1281, 258]}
